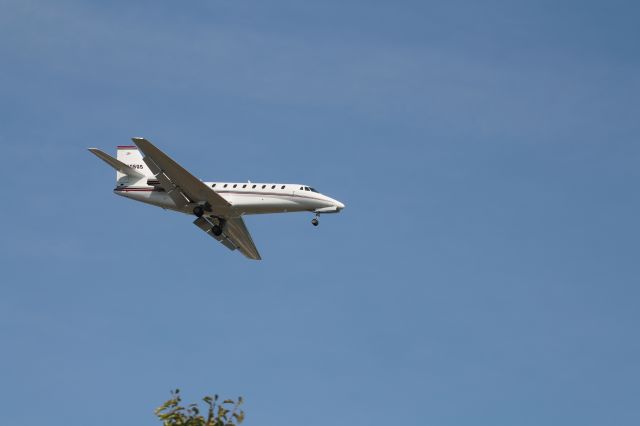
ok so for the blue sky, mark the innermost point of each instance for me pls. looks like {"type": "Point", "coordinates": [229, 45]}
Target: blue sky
{"type": "Point", "coordinates": [485, 270]}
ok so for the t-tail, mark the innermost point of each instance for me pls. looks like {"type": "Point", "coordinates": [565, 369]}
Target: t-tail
{"type": "Point", "coordinates": [130, 169]}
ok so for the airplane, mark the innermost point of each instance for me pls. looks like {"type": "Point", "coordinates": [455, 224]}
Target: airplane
{"type": "Point", "coordinates": [145, 173]}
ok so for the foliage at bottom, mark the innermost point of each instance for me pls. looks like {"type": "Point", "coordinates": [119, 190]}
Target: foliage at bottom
{"type": "Point", "coordinates": [225, 413]}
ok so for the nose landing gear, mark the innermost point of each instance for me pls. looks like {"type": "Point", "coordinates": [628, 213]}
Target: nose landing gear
{"type": "Point", "coordinates": [315, 221]}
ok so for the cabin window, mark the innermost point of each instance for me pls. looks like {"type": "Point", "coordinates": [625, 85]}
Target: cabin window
{"type": "Point", "coordinates": [244, 186]}
{"type": "Point", "coordinates": [253, 186]}
{"type": "Point", "coordinates": [282, 187]}
{"type": "Point", "coordinates": [273, 187]}
{"type": "Point", "coordinates": [264, 186]}
{"type": "Point", "coordinates": [225, 185]}
{"type": "Point", "coordinates": [301, 188]}
{"type": "Point", "coordinates": [235, 184]}
{"type": "Point", "coordinates": [213, 186]}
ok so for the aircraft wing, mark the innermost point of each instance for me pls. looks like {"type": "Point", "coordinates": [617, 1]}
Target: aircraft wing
{"type": "Point", "coordinates": [184, 188]}
{"type": "Point", "coordinates": [236, 230]}
{"type": "Point", "coordinates": [180, 185]}
{"type": "Point", "coordinates": [235, 235]}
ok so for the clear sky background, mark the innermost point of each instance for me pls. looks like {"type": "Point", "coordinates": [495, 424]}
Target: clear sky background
{"type": "Point", "coordinates": [484, 272]}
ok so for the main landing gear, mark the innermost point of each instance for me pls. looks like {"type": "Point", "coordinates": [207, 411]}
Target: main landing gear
{"type": "Point", "coordinates": [216, 222]}
{"type": "Point", "coordinates": [216, 230]}
{"type": "Point", "coordinates": [218, 225]}
{"type": "Point", "coordinates": [198, 211]}
{"type": "Point", "coordinates": [315, 221]}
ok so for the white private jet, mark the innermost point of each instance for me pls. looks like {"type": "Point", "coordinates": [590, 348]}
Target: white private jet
{"type": "Point", "coordinates": [144, 173]}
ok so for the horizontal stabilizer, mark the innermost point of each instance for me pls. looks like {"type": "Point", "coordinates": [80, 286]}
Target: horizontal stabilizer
{"type": "Point", "coordinates": [116, 164]}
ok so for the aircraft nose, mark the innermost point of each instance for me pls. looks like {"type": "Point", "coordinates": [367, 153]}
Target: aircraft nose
{"type": "Point", "coordinates": [339, 205]}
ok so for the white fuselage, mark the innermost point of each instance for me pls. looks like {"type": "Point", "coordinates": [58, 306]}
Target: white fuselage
{"type": "Point", "coordinates": [245, 198]}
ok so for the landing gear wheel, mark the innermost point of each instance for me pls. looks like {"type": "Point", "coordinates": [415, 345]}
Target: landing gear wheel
{"type": "Point", "coordinates": [315, 221]}
{"type": "Point", "coordinates": [216, 230]}
{"type": "Point", "coordinates": [198, 211]}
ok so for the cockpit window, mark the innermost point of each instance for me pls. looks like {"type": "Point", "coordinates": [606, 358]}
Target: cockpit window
{"type": "Point", "coordinates": [312, 189]}
{"type": "Point", "coordinates": [306, 188]}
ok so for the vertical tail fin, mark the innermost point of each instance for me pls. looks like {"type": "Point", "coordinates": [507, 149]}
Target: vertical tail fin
{"type": "Point", "coordinates": [129, 155]}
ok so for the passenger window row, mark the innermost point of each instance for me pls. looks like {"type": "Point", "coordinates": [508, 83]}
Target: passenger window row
{"type": "Point", "coordinates": [235, 185]}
